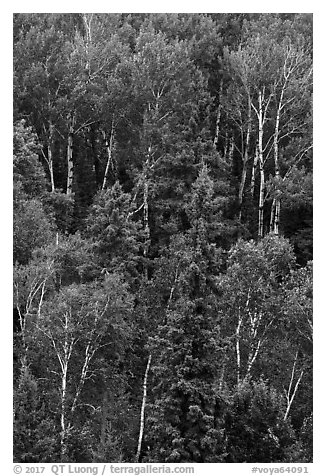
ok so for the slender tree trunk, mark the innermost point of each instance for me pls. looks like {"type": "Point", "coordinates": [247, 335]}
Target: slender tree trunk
{"type": "Point", "coordinates": [142, 413]}
{"type": "Point", "coordinates": [231, 150]}
{"type": "Point", "coordinates": [95, 157]}
{"type": "Point", "coordinates": [289, 396]}
{"type": "Point", "coordinates": [271, 221]}
{"type": "Point", "coordinates": [261, 203]}
{"type": "Point", "coordinates": [63, 442]}
{"type": "Point", "coordinates": [242, 183]}
{"type": "Point", "coordinates": [64, 362]}
{"type": "Point", "coordinates": [276, 206]}
{"type": "Point", "coordinates": [277, 215]}
{"type": "Point", "coordinates": [109, 148]}
{"type": "Point", "coordinates": [218, 116]}
{"type": "Point", "coordinates": [252, 358]}
{"type": "Point", "coordinates": [253, 173]}
{"type": "Point", "coordinates": [39, 307]}
{"type": "Point", "coordinates": [50, 155]}
{"type": "Point", "coordinates": [237, 347]}
{"type": "Point", "coordinates": [145, 215]}
{"type": "Point", "coordinates": [88, 355]}
{"type": "Point", "coordinates": [261, 169]}
{"type": "Point", "coordinates": [226, 144]}
{"type": "Point", "coordinates": [70, 163]}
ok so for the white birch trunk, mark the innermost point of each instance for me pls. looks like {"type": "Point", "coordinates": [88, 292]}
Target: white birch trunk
{"type": "Point", "coordinates": [261, 169]}
{"type": "Point", "coordinates": [109, 148]}
{"type": "Point", "coordinates": [50, 155]}
{"type": "Point", "coordinates": [231, 150]}
{"type": "Point", "coordinates": [226, 144]}
{"type": "Point", "coordinates": [70, 164]}
{"type": "Point", "coordinates": [251, 359]}
{"type": "Point", "coordinates": [253, 173]}
{"type": "Point", "coordinates": [64, 362]}
{"type": "Point", "coordinates": [218, 116]}
{"type": "Point", "coordinates": [276, 206]}
{"type": "Point", "coordinates": [291, 394]}
{"type": "Point", "coordinates": [145, 209]}
{"type": "Point", "coordinates": [142, 412]}
{"type": "Point", "coordinates": [237, 347]}
{"type": "Point", "coordinates": [63, 443]}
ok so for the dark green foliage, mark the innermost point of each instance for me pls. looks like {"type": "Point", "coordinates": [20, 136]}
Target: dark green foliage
{"type": "Point", "coordinates": [116, 235]}
{"type": "Point", "coordinates": [32, 228]}
{"type": "Point", "coordinates": [34, 438]}
{"type": "Point", "coordinates": [135, 176]}
{"type": "Point", "coordinates": [251, 304]}
{"type": "Point", "coordinates": [61, 207]}
{"type": "Point", "coordinates": [255, 428]}
{"type": "Point", "coordinates": [28, 170]}
{"type": "Point", "coordinates": [187, 347]}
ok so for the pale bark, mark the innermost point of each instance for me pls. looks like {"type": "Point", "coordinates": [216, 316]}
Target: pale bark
{"type": "Point", "coordinates": [256, 324]}
{"type": "Point", "coordinates": [72, 131]}
{"type": "Point", "coordinates": [70, 163]}
{"type": "Point", "coordinates": [109, 148]}
{"type": "Point", "coordinates": [288, 69]}
{"type": "Point", "coordinates": [63, 436]}
{"type": "Point", "coordinates": [252, 358]}
{"type": "Point", "coordinates": [173, 287]}
{"type": "Point", "coordinates": [49, 157]}
{"type": "Point", "coordinates": [64, 359]}
{"type": "Point", "coordinates": [231, 150]}
{"type": "Point", "coordinates": [253, 173]}
{"type": "Point", "coordinates": [241, 313]}
{"type": "Point", "coordinates": [142, 412]}
{"type": "Point", "coordinates": [276, 205]}
{"type": "Point", "coordinates": [145, 210]}
{"type": "Point", "coordinates": [91, 347]}
{"type": "Point", "coordinates": [261, 113]}
{"type": "Point", "coordinates": [291, 394]}
{"type": "Point", "coordinates": [237, 347]}
{"type": "Point", "coordinates": [39, 308]}
{"type": "Point", "coordinates": [64, 345]}
{"type": "Point", "coordinates": [226, 144]}
{"type": "Point", "coordinates": [89, 353]}
{"type": "Point", "coordinates": [218, 116]}
{"type": "Point", "coordinates": [256, 328]}
{"type": "Point", "coordinates": [33, 302]}
{"type": "Point", "coordinates": [49, 127]}
{"type": "Point", "coordinates": [261, 168]}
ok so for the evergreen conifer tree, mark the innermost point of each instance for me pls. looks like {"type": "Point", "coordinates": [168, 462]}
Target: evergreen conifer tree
{"type": "Point", "coordinates": [185, 420]}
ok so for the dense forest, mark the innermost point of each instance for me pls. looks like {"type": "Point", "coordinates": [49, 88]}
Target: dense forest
{"type": "Point", "coordinates": [162, 237]}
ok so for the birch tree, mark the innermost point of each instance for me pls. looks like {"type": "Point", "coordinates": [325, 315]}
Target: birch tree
{"type": "Point", "coordinates": [31, 284]}
{"type": "Point", "coordinates": [272, 74]}
{"type": "Point", "coordinates": [237, 109]}
{"type": "Point", "coordinates": [248, 68]}
{"type": "Point", "coordinates": [252, 311]}
{"type": "Point", "coordinates": [77, 324]}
